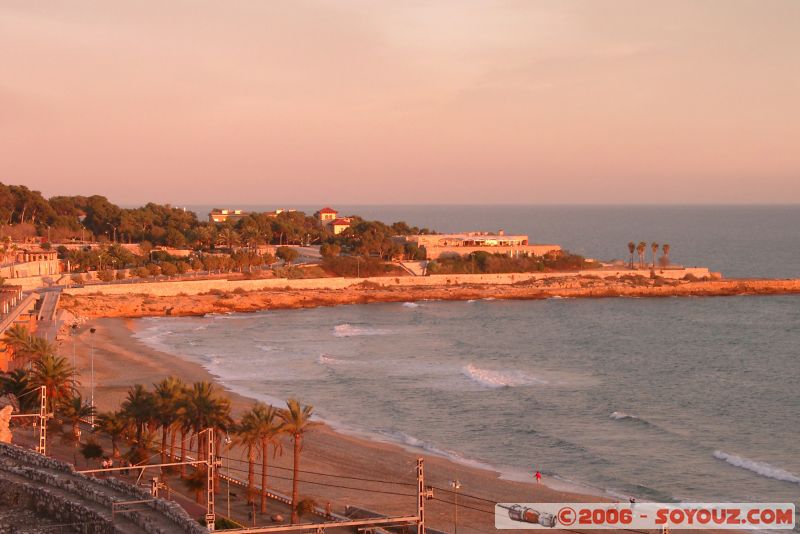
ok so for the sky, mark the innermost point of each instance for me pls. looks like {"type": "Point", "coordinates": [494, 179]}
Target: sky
{"type": "Point", "coordinates": [402, 102]}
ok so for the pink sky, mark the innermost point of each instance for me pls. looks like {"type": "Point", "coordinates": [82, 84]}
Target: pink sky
{"type": "Point", "coordinates": [463, 101]}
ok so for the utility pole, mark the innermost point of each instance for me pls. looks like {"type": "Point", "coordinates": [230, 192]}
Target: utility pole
{"type": "Point", "coordinates": [42, 448]}
{"type": "Point", "coordinates": [211, 466]}
{"type": "Point", "coordinates": [423, 494]}
{"type": "Point", "coordinates": [456, 485]}
{"type": "Point", "coordinates": [74, 366]}
{"type": "Point", "coordinates": [92, 330]}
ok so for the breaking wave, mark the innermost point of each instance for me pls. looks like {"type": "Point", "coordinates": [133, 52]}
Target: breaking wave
{"type": "Point", "coordinates": [760, 468]}
{"type": "Point", "coordinates": [327, 359]}
{"type": "Point", "coordinates": [411, 305]}
{"type": "Point", "coordinates": [348, 330]}
{"type": "Point", "coordinates": [622, 415]}
{"type": "Point", "coordinates": [499, 379]}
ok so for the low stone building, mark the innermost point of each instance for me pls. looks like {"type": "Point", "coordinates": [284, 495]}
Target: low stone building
{"type": "Point", "coordinates": [442, 245]}
{"type": "Point", "coordinates": [31, 260]}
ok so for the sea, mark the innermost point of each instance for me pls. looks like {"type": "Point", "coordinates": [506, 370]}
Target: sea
{"type": "Point", "coordinates": [668, 399]}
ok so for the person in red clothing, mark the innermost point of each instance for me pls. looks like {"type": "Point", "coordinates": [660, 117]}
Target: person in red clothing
{"type": "Point", "coordinates": [538, 476]}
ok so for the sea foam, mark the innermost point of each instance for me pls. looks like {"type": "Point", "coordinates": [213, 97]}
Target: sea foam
{"type": "Point", "coordinates": [499, 379]}
{"type": "Point", "coordinates": [410, 305]}
{"type": "Point", "coordinates": [760, 468]}
{"type": "Point", "coordinates": [327, 359]}
{"type": "Point", "coordinates": [348, 330]}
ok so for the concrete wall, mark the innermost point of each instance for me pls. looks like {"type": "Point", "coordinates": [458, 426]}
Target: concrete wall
{"type": "Point", "coordinates": [522, 250]}
{"type": "Point", "coordinates": [194, 287]}
{"type": "Point", "coordinates": [30, 268]}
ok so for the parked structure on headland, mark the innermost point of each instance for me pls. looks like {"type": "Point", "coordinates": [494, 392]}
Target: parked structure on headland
{"type": "Point", "coordinates": [439, 245]}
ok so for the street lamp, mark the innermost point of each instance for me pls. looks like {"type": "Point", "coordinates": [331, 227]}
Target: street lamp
{"type": "Point", "coordinates": [456, 485]}
{"type": "Point", "coordinates": [92, 330]}
{"type": "Point", "coordinates": [74, 366]}
{"type": "Point", "coordinates": [228, 442]}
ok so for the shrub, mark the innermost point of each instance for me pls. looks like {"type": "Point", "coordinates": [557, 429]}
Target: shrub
{"type": "Point", "coordinates": [287, 254]}
{"type": "Point", "coordinates": [142, 272]}
{"type": "Point", "coordinates": [329, 250]}
{"type": "Point", "coordinates": [169, 269]}
{"type": "Point", "coordinates": [106, 276]}
{"type": "Point", "coordinates": [121, 274]}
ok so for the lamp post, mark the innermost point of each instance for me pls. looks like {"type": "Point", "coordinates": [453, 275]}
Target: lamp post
{"type": "Point", "coordinates": [228, 442]}
{"type": "Point", "coordinates": [92, 330]}
{"type": "Point", "coordinates": [456, 485]}
{"type": "Point", "coordinates": [74, 366]}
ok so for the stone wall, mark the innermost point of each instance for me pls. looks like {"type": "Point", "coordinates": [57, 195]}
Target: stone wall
{"type": "Point", "coordinates": [41, 479]}
{"type": "Point", "coordinates": [195, 287]}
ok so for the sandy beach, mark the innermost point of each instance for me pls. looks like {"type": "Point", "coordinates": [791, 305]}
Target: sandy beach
{"type": "Point", "coordinates": [121, 360]}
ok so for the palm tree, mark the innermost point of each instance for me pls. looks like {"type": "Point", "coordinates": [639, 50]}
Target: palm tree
{"type": "Point", "coordinates": [167, 395]}
{"type": "Point", "coordinates": [197, 482]}
{"type": "Point", "coordinates": [246, 437]}
{"type": "Point", "coordinates": [18, 383]}
{"type": "Point", "coordinates": [267, 425]}
{"type": "Point", "coordinates": [39, 348]}
{"type": "Point", "coordinates": [229, 237]}
{"type": "Point", "coordinates": [654, 249]}
{"type": "Point", "coordinates": [56, 374]}
{"type": "Point", "coordinates": [665, 247]}
{"type": "Point", "coordinates": [19, 339]}
{"type": "Point", "coordinates": [139, 409]}
{"type": "Point", "coordinates": [640, 248]}
{"type": "Point", "coordinates": [204, 408]}
{"type": "Point", "coordinates": [631, 249]}
{"type": "Point", "coordinates": [114, 425]}
{"type": "Point", "coordinates": [296, 422]}
{"type": "Point", "coordinates": [73, 410]}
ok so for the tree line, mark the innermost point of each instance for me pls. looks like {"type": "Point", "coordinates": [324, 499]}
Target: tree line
{"type": "Point", "coordinates": [25, 213]}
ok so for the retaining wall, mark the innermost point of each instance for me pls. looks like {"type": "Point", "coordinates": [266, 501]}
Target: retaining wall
{"type": "Point", "coordinates": [195, 287]}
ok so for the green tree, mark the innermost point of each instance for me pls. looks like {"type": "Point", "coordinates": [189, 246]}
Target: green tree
{"type": "Point", "coordinates": [245, 436]}
{"type": "Point", "coordinates": [296, 422]}
{"type": "Point", "coordinates": [167, 396]}
{"type": "Point", "coordinates": [73, 410]}
{"type": "Point", "coordinates": [91, 450]}
{"type": "Point", "coordinates": [114, 425]}
{"type": "Point", "coordinates": [329, 250]}
{"type": "Point", "coordinates": [204, 408]}
{"type": "Point", "coordinates": [654, 248]}
{"type": "Point", "coordinates": [18, 384]}
{"type": "Point", "coordinates": [287, 254]}
{"type": "Point", "coordinates": [631, 249]}
{"type": "Point", "coordinates": [266, 424]}
{"type": "Point", "coordinates": [139, 409]}
{"type": "Point", "coordinates": [56, 374]}
{"type": "Point", "coordinates": [640, 249]}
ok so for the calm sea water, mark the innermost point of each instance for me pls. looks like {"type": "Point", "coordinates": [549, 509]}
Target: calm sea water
{"type": "Point", "coordinates": [689, 399]}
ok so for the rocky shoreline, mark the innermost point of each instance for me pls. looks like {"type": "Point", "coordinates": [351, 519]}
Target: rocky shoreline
{"type": "Point", "coordinates": [97, 304]}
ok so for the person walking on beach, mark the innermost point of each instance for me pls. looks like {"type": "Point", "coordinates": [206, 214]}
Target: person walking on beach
{"type": "Point", "coordinates": [538, 476]}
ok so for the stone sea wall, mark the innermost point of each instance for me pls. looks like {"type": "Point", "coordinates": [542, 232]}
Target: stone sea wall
{"type": "Point", "coordinates": [196, 287]}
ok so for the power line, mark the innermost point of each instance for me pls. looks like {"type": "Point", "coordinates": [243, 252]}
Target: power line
{"type": "Point", "coordinates": [327, 484]}
{"type": "Point", "coordinates": [330, 474]}
{"type": "Point", "coordinates": [460, 494]}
